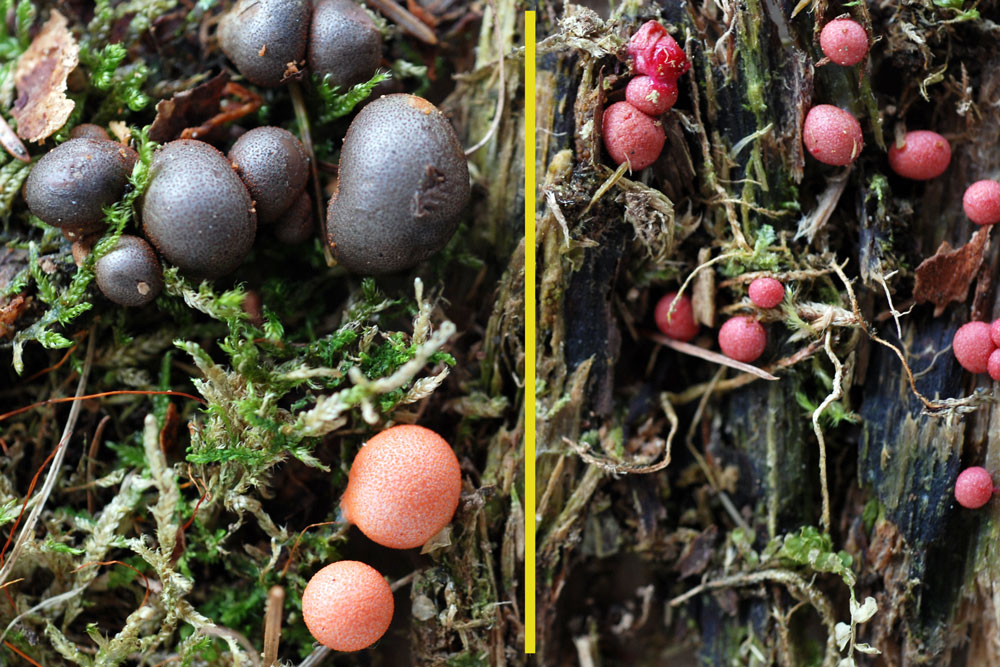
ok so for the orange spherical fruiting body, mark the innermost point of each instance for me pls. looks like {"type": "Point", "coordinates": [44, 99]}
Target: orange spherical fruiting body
{"type": "Point", "coordinates": [347, 606]}
{"type": "Point", "coordinates": [403, 487]}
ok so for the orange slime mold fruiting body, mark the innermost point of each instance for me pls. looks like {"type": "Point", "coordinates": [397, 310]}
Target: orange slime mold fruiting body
{"type": "Point", "coordinates": [347, 606]}
{"type": "Point", "coordinates": [403, 487]}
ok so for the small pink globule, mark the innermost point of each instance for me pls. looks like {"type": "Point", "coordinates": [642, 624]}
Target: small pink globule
{"type": "Point", "coordinates": [632, 136]}
{"type": "Point", "coordinates": [832, 136]}
{"type": "Point", "coordinates": [974, 487]}
{"type": "Point", "coordinates": [995, 332]}
{"type": "Point", "coordinates": [993, 365]}
{"type": "Point", "coordinates": [844, 41]}
{"type": "Point", "coordinates": [972, 346]}
{"type": "Point", "coordinates": [923, 156]}
{"type": "Point", "coordinates": [650, 96]}
{"type": "Point", "coordinates": [675, 317]}
{"type": "Point", "coordinates": [981, 202]}
{"type": "Point", "coordinates": [766, 292]}
{"type": "Point", "coordinates": [742, 338]}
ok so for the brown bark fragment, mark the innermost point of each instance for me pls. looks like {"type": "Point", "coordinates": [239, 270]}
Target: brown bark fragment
{"type": "Point", "coordinates": [189, 108]}
{"type": "Point", "coordinates": [698, 554]}
{"type": "Point", "coordinates": [42, 106]}
{"type": "Point", "coordinates": [946, 275]}
{"type": "Point", "coordinates": [10, 312]}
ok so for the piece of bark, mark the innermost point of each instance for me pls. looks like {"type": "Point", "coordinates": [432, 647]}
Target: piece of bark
{"type": "Point", "coordinates": [42, 106]}
{"type": "Point", "coordinates": [698, 553]}
{"type": "Point", "coordinates": [189, 108]}
{"type": "Point", "coordinates": [946, 275]}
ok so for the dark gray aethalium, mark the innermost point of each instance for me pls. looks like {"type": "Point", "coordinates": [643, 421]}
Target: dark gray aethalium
{"type": "Point", "coordinates": [130, 275]}
{"type": "Point", "coordinates": [73, 182]}
{"type": "Point", "coordinates": [343, 42]}
{"type": "Point", "coordinates": [196, 210]}
{"type": "Point", "coordinates": [296, 224]}
{"type": "Point", "coordinates": [403, 184]}
{"type": "Point", "coordinates": [275, 168]}
{"type": "Point", "coordinates": [89, 131]}
{"type": "Point", "coordinates": [266, 39]}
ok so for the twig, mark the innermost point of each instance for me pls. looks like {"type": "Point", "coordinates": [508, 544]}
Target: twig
{"type": "Point", "coordinates": [693, 426]}
{"type": "Point", "coordinates": [405, 581]}
{"type": "Point", "coordinates": [317, 656]}
{"type": "Point", "coordinates": [783, 276]}
{"type": "Point", "coordinates": [251, 102]}
{"type": "Point", "coordinates": [703, 265]}
{"type": "Point", "coordinates": [20, 653]}
{"type": "Point", "coordinates": [59, 363]}
{"type": "Point", "coordinates": [62, 597]}
{"type": "Point", "coordinates": [405, 20]}
{"type": "Point", "coordinates": [28, 531]}
{"type": "Point", "coordinates": [272, 624]}
{"type": "Point", "coordinates": [291, 555]}
{"type": "Point", "coordinates": [145, 579]}
{"type": "Point", "coordinates": [708, 355]}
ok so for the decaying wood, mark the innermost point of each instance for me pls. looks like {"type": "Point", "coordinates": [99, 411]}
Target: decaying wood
{"type": "Point", "coordinates": [752, 456]}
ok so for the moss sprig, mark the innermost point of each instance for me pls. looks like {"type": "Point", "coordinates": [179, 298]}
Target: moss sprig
{"type": "Point", "coordinates": [336, 104]}
{"type": "Point", "coordinates": [69, 303]}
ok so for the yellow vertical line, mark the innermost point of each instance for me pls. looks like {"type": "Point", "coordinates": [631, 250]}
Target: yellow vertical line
{"type": "Point", "coordinates": [529, 332]}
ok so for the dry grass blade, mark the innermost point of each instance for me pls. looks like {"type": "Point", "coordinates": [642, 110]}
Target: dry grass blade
{"type": "Point", "coordinates": [708, 355]}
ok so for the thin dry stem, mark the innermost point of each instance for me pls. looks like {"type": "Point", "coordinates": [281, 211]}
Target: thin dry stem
{"type": "Point", "coordinates": [835, 393]}
{"type": "Point", "coordinates": [929, 404]}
